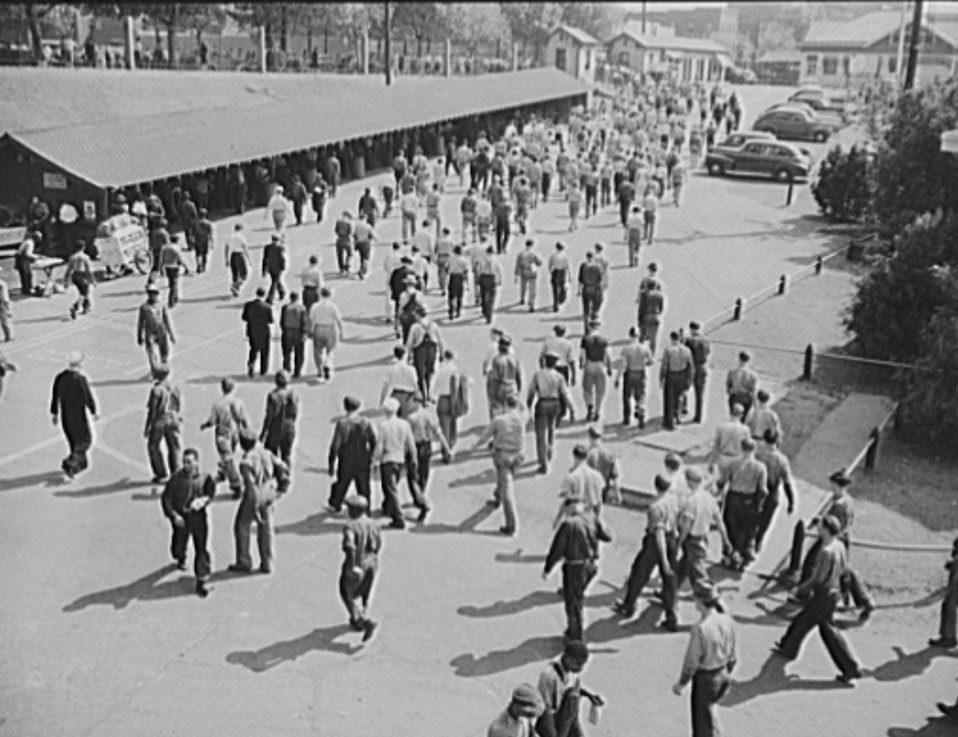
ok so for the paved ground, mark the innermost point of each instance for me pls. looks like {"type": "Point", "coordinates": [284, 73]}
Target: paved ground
{"type": "Point", "coordinates": [101, 637]}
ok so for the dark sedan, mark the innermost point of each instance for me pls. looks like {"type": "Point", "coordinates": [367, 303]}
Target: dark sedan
{"type": "Point", "coordinates": [781, 161]}
{"type": "Point", "coordinates": [794, 123]}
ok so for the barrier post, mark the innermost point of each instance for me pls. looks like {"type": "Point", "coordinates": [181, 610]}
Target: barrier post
{"type": "Point", "coordinates": [782, 284]}
{"type": "Point", "coordinates": [738, 309]}
{"type": "Point", "coordinates": [809, 360]}
{"type": "Point", "coordinates": [871, 456]}
{"type": "Point", "coordinates": [790, 192]}
{"type": "Point", "coordinates": [819, 262]}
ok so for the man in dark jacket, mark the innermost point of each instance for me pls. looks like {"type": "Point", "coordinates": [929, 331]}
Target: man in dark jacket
{"type": "Point", "coordinates": [298, 195]}
{"type": "Point", "coordinates": [279, 424]}
{"type": "Point", "coordinates": [184, 501]}
{"type": "Point", "coordinates": [72, 399]}
{"type": "Point", "coordinates": [293, 325]}
{"type": "Point", "coordinates": [258, 316]}
{"type": "Point", "coordinates": [274, 264]}
{"type": "Point", "coordinates": [576, 544]}
{"type": "Point", "coordinates": [202, 240]}
{"type": "Point", "coordinates": [351, 454]}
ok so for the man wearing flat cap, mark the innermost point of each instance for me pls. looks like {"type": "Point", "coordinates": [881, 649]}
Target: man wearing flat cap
{"type": "Point", "coordinates": [518, 718]}
{"type": "Point", "coordinates": [154, 329]}
{"type": "Point", "coordinates": [596, 368]}
{"type": "Point", "coordinates": [71, 401]}
{"type": "Point", "coordinates": [504, 378]}
{"type": "Point", "coordinates": [560, 686]}
{"type": "Point", "coordinates": [841, 508]}
{"type": "Point", "coordinates": [163, 423]}
{"type": "Point", "coordinates": [548, 390]}
{"type": "Point", "coordinates": [824, 587]}
{"type": "Point", "coordinates": [710, 658]}
{"type": "Point", "coordinates": [361, 545]}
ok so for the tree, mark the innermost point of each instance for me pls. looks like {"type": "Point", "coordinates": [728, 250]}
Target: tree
{"type": "Point", "coordinates": [425, 21]}
{"type": "Point", "coordinates": [531, 24]}
{"type": "Point", "coordinates": [844, 186]}
{"type": "Point", "coordinates": [913, 175]}
{"type": "Point", "coordinates": [474, 25]}
{"type": "Point", "coordinates": [775, 35]}
{"type": "Point", "coordinates": [599, 19]}
{"type": "Point", "coordinates": [32, 17]}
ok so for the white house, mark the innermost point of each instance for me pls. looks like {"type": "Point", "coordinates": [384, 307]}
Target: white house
{"type": "Point", "coordinates": [834, 54]}
{"type": "Point", "coordinates": [676, 57]}
{"type": "Point", "coordinates": [574, 51]}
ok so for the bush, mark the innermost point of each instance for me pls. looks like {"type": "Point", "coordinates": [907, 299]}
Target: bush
{"type": "Point", "coordinates": [844, 187]}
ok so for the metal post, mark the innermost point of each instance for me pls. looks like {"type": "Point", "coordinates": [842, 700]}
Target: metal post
{"type": "Point", "coordinates": [128, 43]}
{"type": "Point", "coordinates": [447, 59]}
{"type": "Point", "coordinates": [819, 262]}
{"type": "Point", "coordinates": [387, 54]}
{"type": "Point", "coordinates": [790, 192]}
{"type": "Point", "coordinates": [901, 43]}
{"type": "Point", "coordinates": [738, 309]}
{"type": "Point", "coordinates": [262, 49]}
{"type": "Point", "coordinates": [913, 45]}
{"type": "Point", "coordinates": [871, 455]}
{"type": "Point", "coordinates": [515, 57]}
{"type": "Point", "coordinates": [365, 58]}
{"type": "Point", "coordinates": [808, 364]}
{"type": "Point", "coordinates": [782, 284]}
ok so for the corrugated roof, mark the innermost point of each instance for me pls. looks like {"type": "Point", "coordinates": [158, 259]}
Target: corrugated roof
{"type": "Point", "coordinates": [132, 149]}
{"type": "Point", "coordinates": [679, 43]}
{"type": "Point", "coordinates": [586, 39]}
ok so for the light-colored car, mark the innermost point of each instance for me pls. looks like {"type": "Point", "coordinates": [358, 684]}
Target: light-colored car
{"type": "Point", "coordinates": [781, 161]}
{"type": "Point", "coordinates": [825, 116]}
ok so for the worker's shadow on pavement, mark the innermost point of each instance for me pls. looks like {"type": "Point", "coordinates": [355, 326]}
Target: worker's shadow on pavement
{"type": "Point", "coordinates": [777, 616]}
{"type": "Point", "coordinates": [146, 588]}
{"type": "Point", "coordinates": [772, 678]}
{"type": "Point", "coordinates": [321, 523]}
{"type": "Point", "coordinates": [47, 478]}
{"type": "Point", "coordinates": [468, 525]}
{"type": "Point", "coordinates": [907, 665]}
{"type": "Point", "coordinates": [935, 727]}
{"type": "Point", "coordinates": [284, 651]}
{"type": "Point", "coordinates": [123, 484]}
{"type": "Point", "coordinates": [530, 601]}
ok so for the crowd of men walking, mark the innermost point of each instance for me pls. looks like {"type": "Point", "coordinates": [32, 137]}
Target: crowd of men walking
{"type": "Point", "coordinates": [629, 156]}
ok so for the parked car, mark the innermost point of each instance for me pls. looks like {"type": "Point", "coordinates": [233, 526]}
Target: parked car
{"type": "Point", "coordinates": [812, 90]}
{"type": "Point", "coordinates": [818, 103]}
{"type": "Point", "coordinates": [737, 75]}
{"type": "Point", "coordinates": [781, 161]}
{"type": "Point", "coordinates": [794, 123]}
{"type": "Point", "coordinates": [824, 116]}
{"type": "Point", "coordinates": [740, 138]}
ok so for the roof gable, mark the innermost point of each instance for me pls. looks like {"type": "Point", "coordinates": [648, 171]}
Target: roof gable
{"type": "Point", "coordinates": [873, 28]}
{"type": "Point", "coordinates": [679, 43]}
{"type": "Point", "coordinates": [577, 35]}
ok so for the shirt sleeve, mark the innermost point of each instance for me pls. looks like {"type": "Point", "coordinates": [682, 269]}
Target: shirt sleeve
{"type": "Point", "coordinates": [693, 655]}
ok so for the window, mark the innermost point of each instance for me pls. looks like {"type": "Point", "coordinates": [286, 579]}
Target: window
{"type": "Point", "coordinates": [588, 59]}
{"type": "Point", "coordinates": [829, 65]}
{"type": "Point", "coordinates": [846, 65]}
{"type": "Point", "coordinates": [754, 148]}
{"type": "Point", "coordinates": [560, 59]}
{"type": "Point", "coordinates": [811, 64]}
{"type": "Point", "coordinates": [624, 59]}
{"type": "Point", "coordinates": [892, 64]}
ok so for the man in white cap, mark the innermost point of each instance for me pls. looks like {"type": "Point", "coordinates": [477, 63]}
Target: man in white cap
{"type": "Point", "coordinates": [279, 207]}
{"type": "Point", "coordinates": [154, 329]}
{"type": "Point", "coordinates": [361, 545]}
{"type": "Point", "coordinates": [70, 404]}
{"type": "Point", "coordinates": [518, 718]}
{"type": "Point", "coordinates": [396, 452]}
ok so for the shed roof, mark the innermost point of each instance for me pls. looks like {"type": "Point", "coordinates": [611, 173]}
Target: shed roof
{"type": "Point", "coordinates": [871, 28]}
{"type": "Point", "coordinates": [134, 147]}
{"type": "Point", "coordinates": [677, 43]}
{"type": "Point", "coordinates": [580, 36]}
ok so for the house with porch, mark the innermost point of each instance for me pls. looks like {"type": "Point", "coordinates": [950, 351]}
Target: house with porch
{"type": "Point", "coordinates": [675, 57]}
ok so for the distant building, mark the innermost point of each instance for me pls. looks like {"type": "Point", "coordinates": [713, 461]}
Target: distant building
{"type": "Point", "coordinates": [836, 54]}
{"type": "Point", "coordinates": [720, 24]}
{"type": "Point", "coordinates": [574, 51]}
{"type": "Point", "coordinates": [675, 57]}
{"type": "Point", "coordinates": [779, 66]}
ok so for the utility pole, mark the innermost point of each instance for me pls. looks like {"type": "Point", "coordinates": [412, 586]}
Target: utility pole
{"type": "Point", "coordinates": [901, 42]}
{"type": "Point", "coordinates": [913, 45]}
{"type": "Point", "coordinates": [644, 9]}
{"type": "Point", "coordinates": [387, 47]}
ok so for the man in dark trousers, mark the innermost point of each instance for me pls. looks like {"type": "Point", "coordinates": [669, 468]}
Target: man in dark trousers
{"type": "Point", "coordinates": [362, 542]}
{"type": "Point", "coordinates": [202, 240]}
{"type": "Point", "coordinates": [279, 424]}
{"type": "Point", "coordinates": [274, 264]}
{"type": "Point", "coordinates": [188, 217]}
{"type": "Point", "coordinates": [576, 544]}
{"type": "Point", "coordinates": [424, 345]}
{"type": "Point", "coordinates": [258, 316]}
{"type": "Point", "coordinates": [659, 548]}
{"type": "Point", "coordinates": [154, 329]}
{"type": "Point", "coordinates": [163, 424]}
{"type": "Point", "coordinates": [298, 195]}
{"type": "Point", "coordinates": [700, 350]}
{"type": "Point", "coordinates": [825, 586]}
{"type": "Point", "coordinates": [293, 326]}
{"type": "Point", "coordinates": [675, 374]}
{"type": "Point", "coordinates": [71, 401]}
{"type": "Point", "coordinates": [184, 500]}
{"type": "Point", "coordinates": [948, 621]}
{"type": "Point", "coordinates": [779, 474]}
{"type": "Point", "coordinates": [351, 454]}
{"type": "Point", "coordinates": [173, 264]}
{"type": "Point", "coordinates": [590, 288]}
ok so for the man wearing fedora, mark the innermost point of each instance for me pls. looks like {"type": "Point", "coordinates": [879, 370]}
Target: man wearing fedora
{"type": "Point", "coordinates": [518, 718]}
{"type": "Point", "coordinates": [71, 404]}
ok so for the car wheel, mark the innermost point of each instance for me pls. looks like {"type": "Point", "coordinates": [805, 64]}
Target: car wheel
{"type": "Point", "coordinates": [820, 137]}
{"type": "Point", "coordinates": [716, 169]}
{"type": "Point", "coordinates": [782, 175]}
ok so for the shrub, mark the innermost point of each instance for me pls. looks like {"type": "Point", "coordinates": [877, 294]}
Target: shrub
{"type": "Point", "coordinates": [844, 186]}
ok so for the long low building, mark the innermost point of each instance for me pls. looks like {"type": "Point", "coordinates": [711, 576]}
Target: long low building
{"type": "Point", "coordinates": [80, 135]}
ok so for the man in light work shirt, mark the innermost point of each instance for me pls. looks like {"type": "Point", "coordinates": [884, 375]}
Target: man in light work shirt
{"type": "Point", "coordinates": [228, 417]}
{"type": "Point", "coordinates": [425, 429]}
{"type": "Point", "coordinates": [636, 358]}
{"type": "Point", "coordinates": [549, 387]}
{"type": "Point", "coordinates": [604, 461]}
{"type": "Point", "coordinates": [527, 273]}
{"type": "Point", "coordinates": [401, 382]}
{"type": "Point", "coordinates": [581, 482]}
{"type": "Point", "coordinates": [675, 375]}
{"type": "Point", "coordinates": [559, 276]}
{"type": "Point", "coordinates": [698, 516]}
{"type": "Point", "coordinates": [763, 418]}
{"type": "Point", "coordinates": [489, 276]}
{"type": "Point", "coordinates": [727, 446]}
{"type": "Point", "coordinates": [506, 432]}
{"type": "Point", "coordinates": [396, 451]}
{"type": "Point", "coordinates": [154, 329]}
{"type": "Point", "coordinates": [326, 328]}
{"type": "Point", "coordinates": [741, 383]}
{"type": "Point", "coordinates": [746, 485]}
{"type": "Point", "coordinates": [779, 474]}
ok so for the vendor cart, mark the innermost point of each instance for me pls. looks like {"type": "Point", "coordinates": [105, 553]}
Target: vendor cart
{"type": "Point", "coordinates": [123, 245]}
